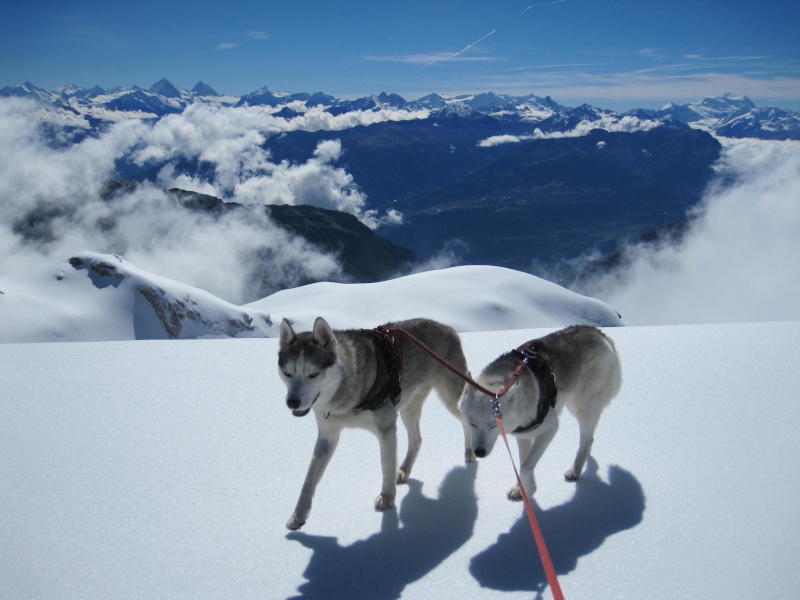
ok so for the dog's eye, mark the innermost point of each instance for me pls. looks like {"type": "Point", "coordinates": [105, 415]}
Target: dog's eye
{"type": "Point", "coordinates": [285, 372]}
{"type": "Point", "coordinates": [313, 375]}
{"type": "Point", "coordinates": [471, 424]}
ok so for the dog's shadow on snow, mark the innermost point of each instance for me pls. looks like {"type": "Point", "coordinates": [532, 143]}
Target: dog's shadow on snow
{"type": "Point", "coordinates": [382, 565]}
{"type": "Point", "coordinates": [571, 530]}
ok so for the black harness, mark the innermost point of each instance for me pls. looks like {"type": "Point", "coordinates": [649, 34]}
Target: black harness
{"type": "Point", "coordinates": [535, 355]}
{"type": "Point", "coordinates": [389, 368]}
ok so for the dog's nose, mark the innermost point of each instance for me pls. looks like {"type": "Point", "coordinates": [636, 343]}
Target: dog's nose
{"type": "Point", "coordinates": [480, 452]}
{"type": "Point", "coordinates": [293, 403]}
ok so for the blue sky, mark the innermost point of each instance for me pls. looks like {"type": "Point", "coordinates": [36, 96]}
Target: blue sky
{"type": "Point", "coordinates": [615, 54]}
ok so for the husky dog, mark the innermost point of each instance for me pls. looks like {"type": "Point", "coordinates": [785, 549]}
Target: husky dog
{"type": "Point", "coordinates": [342, 377]}
{"type": "Point", "coordinates": [577, 367]}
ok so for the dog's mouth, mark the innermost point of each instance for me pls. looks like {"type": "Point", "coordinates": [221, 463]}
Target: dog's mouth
{"type": "Point", "coordinates": [302, 413]}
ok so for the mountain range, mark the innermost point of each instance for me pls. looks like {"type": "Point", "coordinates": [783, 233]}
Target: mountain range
{"type": "Point", "coordinates": [729, 115]}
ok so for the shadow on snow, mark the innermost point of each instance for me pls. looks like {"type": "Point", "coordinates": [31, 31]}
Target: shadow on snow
{"type": "Point", "coordinates": [573, 529]}
{"type": "Point", "coordinates": [382, 565]}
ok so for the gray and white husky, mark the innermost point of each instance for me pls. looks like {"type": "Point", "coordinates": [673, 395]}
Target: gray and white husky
{"type": "Point", "coordinates": [582, 362]}
{"type": "Point", "coordinates": [336, 374]}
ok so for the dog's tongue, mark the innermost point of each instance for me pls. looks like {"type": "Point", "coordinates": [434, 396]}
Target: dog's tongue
{"type": "Point", "coordinates": [300, 413]}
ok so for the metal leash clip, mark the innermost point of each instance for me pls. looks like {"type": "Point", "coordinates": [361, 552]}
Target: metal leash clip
{"type": "Point", "coordinates": [496, 407]}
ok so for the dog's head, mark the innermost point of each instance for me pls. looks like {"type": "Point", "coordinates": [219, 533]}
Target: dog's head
{"type": "Point", "coordinates": [476, 410]}
{"type": "Point", "coordinates": [308, 366]}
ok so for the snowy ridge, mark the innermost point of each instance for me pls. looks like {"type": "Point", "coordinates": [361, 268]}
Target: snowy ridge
{"type": "Point", "coordinates": [468, 298]}
{"type": "Point", "coordinates": [93, 297]}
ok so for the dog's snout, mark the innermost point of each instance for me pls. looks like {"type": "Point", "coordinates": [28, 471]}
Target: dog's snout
{"type": "Point", "coordinates": [293, 403]}
{"type": "Point", "coordinates": [480, 452]}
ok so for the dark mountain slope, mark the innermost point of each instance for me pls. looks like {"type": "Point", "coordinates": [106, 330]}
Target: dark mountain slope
{"type": "Point", "coordinates": [392, 159]}
{"type": "Point", "coordinates": [365, 256]}
{"type": "Point", "coordinates": [558, 198]}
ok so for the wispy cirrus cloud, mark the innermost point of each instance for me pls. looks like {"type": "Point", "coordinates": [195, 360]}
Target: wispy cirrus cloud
{"type": "Point", "coordinates": [253, 35]}
{"type": "Point", "coordinates": [648, 77]}
{"type": "Point", "coordinates": [428, 59]}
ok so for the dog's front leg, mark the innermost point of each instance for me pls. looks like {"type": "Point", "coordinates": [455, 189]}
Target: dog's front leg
{"type": "Point", "coordinates": [529, 456]}
{"type": "Point", "coordinates": [387, 438]}
{"type": "Point", "coordinates": [323, 450]}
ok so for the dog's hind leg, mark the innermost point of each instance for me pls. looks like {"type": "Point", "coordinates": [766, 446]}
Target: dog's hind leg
{"type": "Point", "coordinates": [588, 423]}
{"type": "Point", "coordinates": [410, 414]}
{"type": "Point", "coordinates": [323, 451]}
{"type": "Point", "coordinates": [450, 393]}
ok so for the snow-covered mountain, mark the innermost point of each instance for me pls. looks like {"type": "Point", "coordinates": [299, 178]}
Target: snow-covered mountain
{"type": "Point", "coordinates": [97, 297]}
{"type": "Point", "coordinates": [728, 115]}
{"type": "Point", "coordinates": [736, 117]}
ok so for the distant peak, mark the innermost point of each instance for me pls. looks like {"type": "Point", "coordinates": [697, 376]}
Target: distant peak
{"type": "Point", "coordinates": [203, 89]}
{"type": "Point", "coordinates": [166, 88]}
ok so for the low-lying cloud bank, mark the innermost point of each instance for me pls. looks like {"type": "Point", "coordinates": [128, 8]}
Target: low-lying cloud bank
{"type": "Point", "coordinates": [626, 124]}
{"type": "Point", "coordinates": [54, 200]}
{"type": "Point", "coordinates": [739, 260]}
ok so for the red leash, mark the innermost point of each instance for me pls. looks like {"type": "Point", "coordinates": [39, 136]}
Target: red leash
{"type": "Point", "coordinates": [547, 563]}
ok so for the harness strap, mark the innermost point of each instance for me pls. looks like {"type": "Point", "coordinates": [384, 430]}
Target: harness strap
{"type": "Point", "coordinates": [537, 358]}
{"type": "Point", "coordinates": [389, 371]}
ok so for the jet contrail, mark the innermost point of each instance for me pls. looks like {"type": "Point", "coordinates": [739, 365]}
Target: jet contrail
{"type": "Point", "coordinates": [541, 5]}
{"type": "Point", "coordinates": [460, 52]}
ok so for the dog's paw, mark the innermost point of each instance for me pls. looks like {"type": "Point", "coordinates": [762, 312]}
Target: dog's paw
{"type": "Point", "coordinates": [469, 456]}
{"type": "Point", "coordinates": [402, 476]}
{"type": "Point", "coordinates": [571, 475]}
{"type": "Point", "coordinates": [514, 494]}
{"type": "Point", "coordinates": [383, 502]}
{"type": "Point", "coordinates": [295, 523]}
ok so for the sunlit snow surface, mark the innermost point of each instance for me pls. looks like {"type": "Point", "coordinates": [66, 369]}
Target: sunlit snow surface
{"type": "Point", "coordinates": [168, 469]}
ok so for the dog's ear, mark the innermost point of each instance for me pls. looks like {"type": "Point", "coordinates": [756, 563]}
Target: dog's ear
{"type": "Point", "coordinates": [287, 334]}
{"type": "Point", "coordinates": [323, 334]}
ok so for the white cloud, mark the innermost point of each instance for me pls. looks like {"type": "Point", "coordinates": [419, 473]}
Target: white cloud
{"type": "Point", "coordinates": [52, 205]}
{"type": "Point", "coordinates": [737, 263]}
{"type": "Point", "coordinates": [626, 124]}
{"type": "Point", "coordinates": [230, 141]}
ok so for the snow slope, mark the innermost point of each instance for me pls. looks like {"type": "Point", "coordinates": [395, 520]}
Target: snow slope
{"type": "Point", "coordinates": [157, 469]}
{"type": "Point", "coordinates": [468, 298]}
{"type": "Point", "coordinates": [94, 297]}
